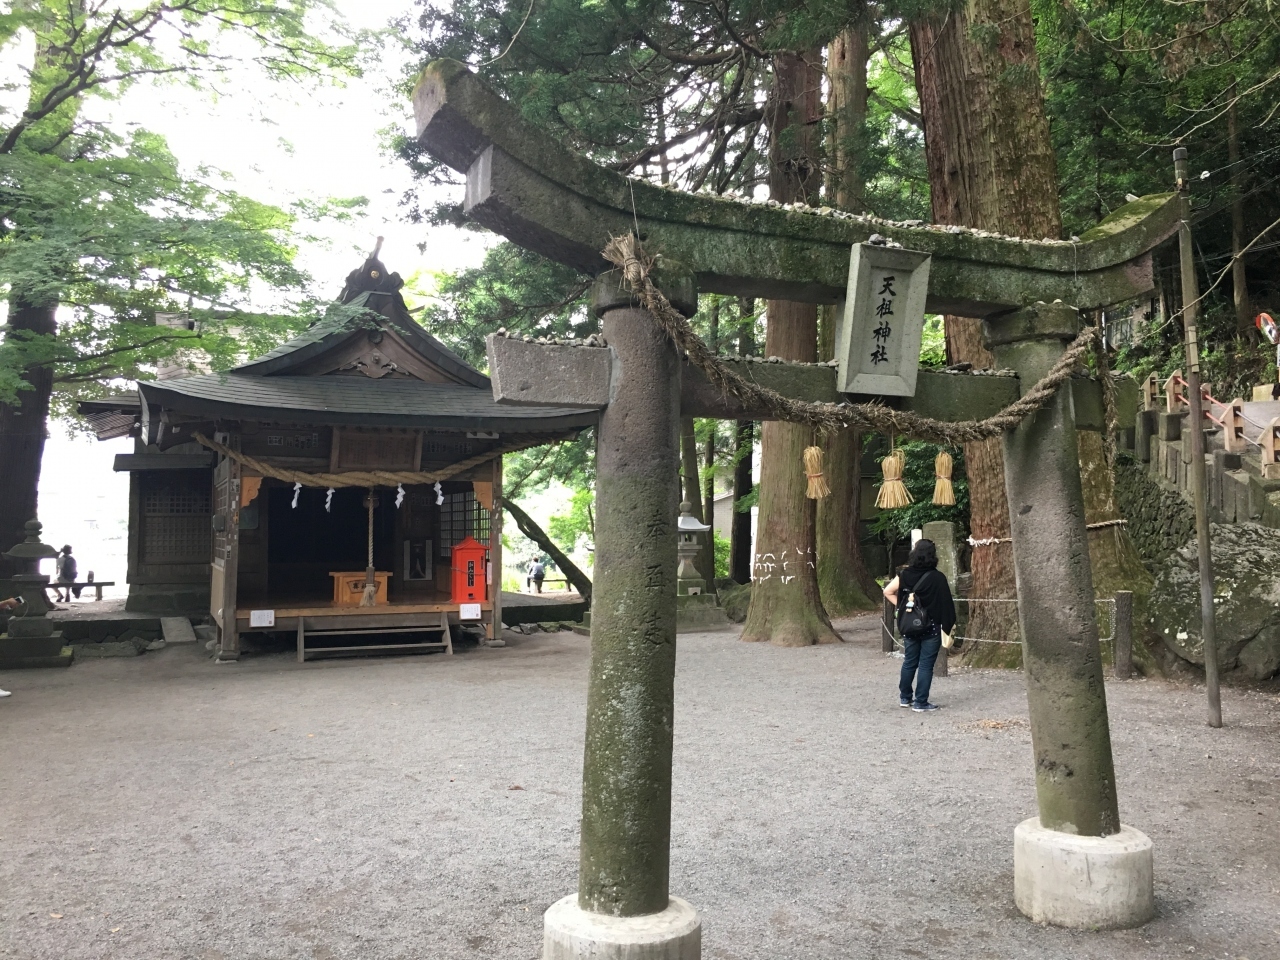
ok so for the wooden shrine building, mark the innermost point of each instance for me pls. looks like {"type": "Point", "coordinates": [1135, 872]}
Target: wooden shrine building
{"type": "Point", "coordinates": [250, 489]}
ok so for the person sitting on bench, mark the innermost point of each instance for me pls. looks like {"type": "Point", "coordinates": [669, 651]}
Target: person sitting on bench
{"type": "Point", "coordinates": [66, 576]}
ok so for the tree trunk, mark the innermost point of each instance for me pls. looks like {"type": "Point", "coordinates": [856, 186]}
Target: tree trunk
{"type": "Point", "coordinates": [847, 111]}
{"type": "Point", "coordinates": [785, 605]}
{"type": "Point", "coordinates": [744, 440]}
{"type": "Point", "coordinates": [843, 579]}
{"type": "Point", "coordinates": [991, 166]}
{"type": "Point", "coordinates": [709, 457]}
{"type": "Point", "coordinates": [1239, 283]}
{"type": "Point", "coordinates": [709, 494]}
{"type": "Point", "coordinates": [581, 582]}
{"type": "Point", "coordinates": [23, 428]}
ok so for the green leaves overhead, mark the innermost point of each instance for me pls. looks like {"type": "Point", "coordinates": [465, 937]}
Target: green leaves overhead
{"type": "Point", "coordinates": [105, 223]}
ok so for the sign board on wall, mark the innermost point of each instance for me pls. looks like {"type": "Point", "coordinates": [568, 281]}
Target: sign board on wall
{"type": "Point", "coordinates": [882, 321]}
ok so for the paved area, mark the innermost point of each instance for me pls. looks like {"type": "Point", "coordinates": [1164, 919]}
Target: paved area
{"type": "Point", "coordinates": [164, 807]}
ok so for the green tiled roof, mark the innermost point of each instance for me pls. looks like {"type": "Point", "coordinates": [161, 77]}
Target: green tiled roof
{"type": "Point", "coordinates": [386, 309]}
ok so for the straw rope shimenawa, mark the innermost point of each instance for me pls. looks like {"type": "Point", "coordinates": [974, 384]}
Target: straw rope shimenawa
{"type": "Point", "coordinates": [635, 265]}
{"type": "Point", "coordinates": [363, 478]}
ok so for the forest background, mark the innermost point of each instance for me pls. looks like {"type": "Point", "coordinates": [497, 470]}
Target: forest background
{"type": "Point", "coordinates": [1029, 117]}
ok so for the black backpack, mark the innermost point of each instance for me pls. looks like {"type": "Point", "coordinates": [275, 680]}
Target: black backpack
{"type": "Point", "coordinates": [913, 619]}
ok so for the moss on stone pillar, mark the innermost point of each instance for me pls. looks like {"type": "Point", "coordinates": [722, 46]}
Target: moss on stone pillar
{"type": "Point", "coordinates": [1071, 738]}
{"type": "Point", "coordinates": [626, 778]}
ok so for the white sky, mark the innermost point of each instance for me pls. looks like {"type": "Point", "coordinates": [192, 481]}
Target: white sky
{"type": "Point", "coordinates": [279, 144]}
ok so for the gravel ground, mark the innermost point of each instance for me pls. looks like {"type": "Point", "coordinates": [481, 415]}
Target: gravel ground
{"type": "Point", "coordinates": [165, 807]}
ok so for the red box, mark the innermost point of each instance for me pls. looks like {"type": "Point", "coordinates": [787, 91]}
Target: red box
{"type": "Point", "coordinates": [469, 567]}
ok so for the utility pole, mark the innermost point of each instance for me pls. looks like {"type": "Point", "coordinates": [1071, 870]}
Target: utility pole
{"type": "Point", "coordinates": [1190, 309]}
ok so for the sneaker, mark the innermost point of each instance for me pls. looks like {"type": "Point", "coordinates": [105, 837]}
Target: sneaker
{"type": "Point", "coordinates": [5, 693]}
{"type": "Point", "coordinates": [903, 703]}
{"type": "Point", "coordinates": [923, 707]}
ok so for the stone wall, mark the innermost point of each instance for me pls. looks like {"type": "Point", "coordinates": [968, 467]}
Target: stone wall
{"type": "Point", "coordinates": [1160, 520]}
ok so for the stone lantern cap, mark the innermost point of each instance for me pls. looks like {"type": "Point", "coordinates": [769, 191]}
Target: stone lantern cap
{"type": "Point", "coordinates": [688, 523]}
{"type": "Point", "coordinates": [31, 548]}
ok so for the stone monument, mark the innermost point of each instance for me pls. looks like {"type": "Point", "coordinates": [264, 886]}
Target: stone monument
{"type": "Point", "coordinates": [30, 640]}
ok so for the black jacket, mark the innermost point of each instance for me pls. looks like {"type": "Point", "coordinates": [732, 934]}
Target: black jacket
{"type": "Point", "coordinates": [935, 594]}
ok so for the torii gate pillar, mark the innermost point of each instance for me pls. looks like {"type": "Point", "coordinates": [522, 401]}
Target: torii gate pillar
{"type": "Point", "coordinates": [623, 909]}
{"type": "Point", "coordinates": [1075, 865]}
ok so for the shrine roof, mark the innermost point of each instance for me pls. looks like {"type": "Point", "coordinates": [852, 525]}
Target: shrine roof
{"type": "Point", "coordinates": [355, 400]}
{"type": "Point", "coordinates": [364, 310]}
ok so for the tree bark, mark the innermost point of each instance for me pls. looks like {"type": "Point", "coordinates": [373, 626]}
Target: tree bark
{"type": "Point", "coordinates": [991, 166]}
{"type": "Point", "coordinates": [844, 582]}
{"type": "Point", "coordinates": [744, 440]}
{"type": "Point", "coordinates": [785, 605]}
{"type": "Point", "coordinates": [1239, 282]}
{"type": "Point", "coordinates": [24, 425]}
{"type": "Point", "coordinates": [847, 112]}
{"type": "Point", "coordinates": [581, 582]}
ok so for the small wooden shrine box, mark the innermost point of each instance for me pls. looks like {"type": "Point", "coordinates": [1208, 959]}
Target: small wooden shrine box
{"type": "Point", "coordinates": [348, 588]}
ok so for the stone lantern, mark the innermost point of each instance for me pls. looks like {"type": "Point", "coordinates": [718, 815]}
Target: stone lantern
{"type": "Point", "coordinates": [31, 640]}
{"type": "Point", "coordinates": [696, 606]}
{"type": "Point", "coordinates": [690, 583]}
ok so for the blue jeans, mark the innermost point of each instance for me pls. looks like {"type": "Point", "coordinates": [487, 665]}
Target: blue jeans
{"type": "Point", "coordinates": [921, 652]}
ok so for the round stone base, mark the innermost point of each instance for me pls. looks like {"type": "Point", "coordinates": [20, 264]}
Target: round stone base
{"type": "Point", "coordinates": [1090, 883]}
{"type": "Point", "coordinates": [571, 933]}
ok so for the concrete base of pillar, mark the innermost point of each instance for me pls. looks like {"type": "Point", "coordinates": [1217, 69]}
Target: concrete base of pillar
{"type": "Point", "coordinates": [1087, 883]}
{"type": "Point", "coordinates": [571, 933]}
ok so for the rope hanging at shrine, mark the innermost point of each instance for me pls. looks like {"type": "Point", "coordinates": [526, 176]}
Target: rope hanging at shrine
{"type": "Point", "coordinates": [635, 265]}
{"type": "Point", "coordinates": [364, 478]}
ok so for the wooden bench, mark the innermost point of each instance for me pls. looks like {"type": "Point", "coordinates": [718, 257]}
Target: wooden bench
{"type": "Point", "coordinates": [97, 586]}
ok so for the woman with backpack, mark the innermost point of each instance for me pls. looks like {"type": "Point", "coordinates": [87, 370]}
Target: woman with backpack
{"type": "Point", "coordinates": [922, 597]}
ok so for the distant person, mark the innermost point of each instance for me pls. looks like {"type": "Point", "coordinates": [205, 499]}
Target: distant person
{"type": "Point", "coordinates": [13, 603]}
{"type": "Point", "coordinates": [537, 573]}
{"type": "Point", "coordinates": [66, 575]}
{"type": "Point", "coordinates": [922, 597]}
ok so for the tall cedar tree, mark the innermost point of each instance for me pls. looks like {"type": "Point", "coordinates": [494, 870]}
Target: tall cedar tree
{"type": "Point", "coordinates": [992, 166]}
{"type": "Point", "coordinates": [785, 605]}
{"type": "Point", "coordinates": [844, 582]}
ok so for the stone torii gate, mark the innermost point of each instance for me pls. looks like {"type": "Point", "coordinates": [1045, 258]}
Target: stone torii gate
{"type": "Point", "coordinates": [1075, 864]}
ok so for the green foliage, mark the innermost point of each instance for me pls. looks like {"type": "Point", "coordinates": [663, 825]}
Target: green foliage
{"type": "Point", "coordinates": [1125, 84]}
{"type": "Point", "coordinates": [106, 225]}
{"type": "Point", "coordinates": [919, 479]}
{"type": "Point", "coordinates": [514, 289]}
{"type": "Point", "coordinates": [890, 153]}
{"type": "Point", "coordinates": [721, 546]}
{"type": "Point", "coordinates": [566, 529]}
{"type": "Point", "coordinates": [933, 344]}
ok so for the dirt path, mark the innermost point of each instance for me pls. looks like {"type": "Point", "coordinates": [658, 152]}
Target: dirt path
{"type": "Point", "coordinates": [164, 807]}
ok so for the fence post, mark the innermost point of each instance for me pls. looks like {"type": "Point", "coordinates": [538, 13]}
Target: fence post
{"type": "Point", "coordinates": [1123, 629]}
{"type": "Point", "coordinates": [886, 630]}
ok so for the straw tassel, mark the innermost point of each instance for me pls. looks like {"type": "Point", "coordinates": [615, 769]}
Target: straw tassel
{"type": "Point", "coordinates": [893, 492]}
{"type": "Point", "coordinates": [817, 488]}
{"type": "Point", "coordinates": [943, 493]}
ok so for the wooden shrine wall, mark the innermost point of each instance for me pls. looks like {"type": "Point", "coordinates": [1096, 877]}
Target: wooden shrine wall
{"type": "Point", "coordinates": [170, 515]}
